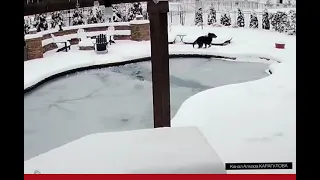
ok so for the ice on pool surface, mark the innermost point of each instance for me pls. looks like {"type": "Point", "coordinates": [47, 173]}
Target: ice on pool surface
{"type": "Point", "coordinates": [117, 98]}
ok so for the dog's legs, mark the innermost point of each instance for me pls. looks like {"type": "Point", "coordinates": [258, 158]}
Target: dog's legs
{"type": "Point", "coordinates": [200, 45]}
{"type": "Point", "coordinates": [205, 45]}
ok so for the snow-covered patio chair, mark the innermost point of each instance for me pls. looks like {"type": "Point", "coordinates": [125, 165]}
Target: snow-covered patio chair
{"type": "Point", "coordinates": [61, 43]}
{"type": "Point", "coordinates": [82, 36]}
{"type": "Point", "coordinates": [110, 34]}
{"type": "Point", "coordinates": [84, 41]}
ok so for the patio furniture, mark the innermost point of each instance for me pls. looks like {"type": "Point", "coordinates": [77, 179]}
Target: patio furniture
{"type": "Point", "coordinates": [181, 36]}
{"type": "Point", "coordinates": [61, 43]}
{"type": "Point", "coordinates": [85, 43]}
{"type": "Point", "coordinates": [82, 36]}
{"type": "Point", "coordinates": [110, 33]}
{"type": "Point", "coordinates": [101, 43]}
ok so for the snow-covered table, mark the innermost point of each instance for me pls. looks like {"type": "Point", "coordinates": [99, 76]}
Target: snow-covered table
{"type": "Point", "coordinates": [162, 150]}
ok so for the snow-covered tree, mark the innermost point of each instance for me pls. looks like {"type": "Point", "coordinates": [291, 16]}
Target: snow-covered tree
{"type": "Point", "coordinates": [280, 22]}
{"type": "Point", "coordinates": [253, 20]}
{"type": "Point", "coordinates": [41, 22]}
{"type": "Point", "coordinates": [212, 15]}
{"type": "Point", "coordinates": [26, 27]}
{"type": "Point", "coordinates": [77, 17]}
{"type": "Point", "coordinates": [292, 18]}
{"type": "Point", "coordinates": [56, 19]}
{"type": "Point", "coordinates": [240, 18]}
{"type": "Point", "coordinates": [145, 13]}
{"type": "Point", "coordinates": [268, 4]}
{"type": "Point", "coordinates": [134, 10]}
{"type": "Point", "coordinates": [117, 15]}
{"type": "Point", "coordinates": [95, 15]}
{"type": "Point", "coordinates": [265, 20]}
{"type": "Point", "coordinates": [225, 19]}
{"type": "Point", "coordinates": [289, 3]}
{"type": "Point", "coordinates": [198, 20]}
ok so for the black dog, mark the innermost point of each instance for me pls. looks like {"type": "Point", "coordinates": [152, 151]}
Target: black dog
{"type": "Point", "coordinates": [206, 40]}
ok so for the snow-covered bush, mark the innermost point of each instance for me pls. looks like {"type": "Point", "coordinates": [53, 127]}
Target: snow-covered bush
{"type": "Point", "coordinates": [225, 19]}
{"type": "Point", "coordinates": [41, 23]}
{"type": "Point", "coordinates": [95, 15]}
{"type": "Point", "coordinates": [134, 10]}
{"type": "Point", "coordinates": [77, 17]}
{"type": "Point", "coordinates": [26, 27]}
{"type": "Point", "coordinates": [280, 22]}
{"type": "Point", "coordinates": [56, 19]}
{"type": "Point", "coordinates": [292, 19]}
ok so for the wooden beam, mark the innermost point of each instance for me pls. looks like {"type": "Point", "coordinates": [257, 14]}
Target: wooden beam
{"type": "Point", "coordinates": [58, 5]}
{"type": "Point", "coordinates": [160, 62]}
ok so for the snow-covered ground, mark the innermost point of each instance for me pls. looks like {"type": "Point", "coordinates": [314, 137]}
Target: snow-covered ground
{"type": "Point", "coordinates": [247, 122]}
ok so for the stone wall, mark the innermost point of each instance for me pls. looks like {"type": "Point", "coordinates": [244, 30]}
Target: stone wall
{"type": "Point", "coordinates": [139, 32]}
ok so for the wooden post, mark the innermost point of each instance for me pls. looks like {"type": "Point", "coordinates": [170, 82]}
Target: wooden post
{"type": "Point", "coordinates": [160, 62]}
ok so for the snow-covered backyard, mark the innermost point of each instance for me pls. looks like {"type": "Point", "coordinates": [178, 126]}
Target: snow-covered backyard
{"type": "Point", "coordinates": [245, 122]}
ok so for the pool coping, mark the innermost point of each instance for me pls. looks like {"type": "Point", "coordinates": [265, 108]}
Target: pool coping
{"type": "Point", "coordinates": [120, 63]}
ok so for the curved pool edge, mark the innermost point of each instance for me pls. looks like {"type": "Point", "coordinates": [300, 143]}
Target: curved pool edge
{"type": "Point", "coordinates": [120, 63]}
{"type": "Point", "coordinates": [43, 80]}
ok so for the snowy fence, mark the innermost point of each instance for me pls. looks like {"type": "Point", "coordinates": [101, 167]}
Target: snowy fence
{"type": "Point", "coordinates": [175, 18]}
{"type": "Point", "coordinates": [184, 13]}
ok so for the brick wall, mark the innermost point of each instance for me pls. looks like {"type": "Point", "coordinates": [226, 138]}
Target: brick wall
{"type": "Point", "coordinates": [34, 48]}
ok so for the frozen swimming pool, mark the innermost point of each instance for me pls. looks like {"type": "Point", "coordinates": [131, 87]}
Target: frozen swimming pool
{"type": "Point", "coordinates": [117, 98]}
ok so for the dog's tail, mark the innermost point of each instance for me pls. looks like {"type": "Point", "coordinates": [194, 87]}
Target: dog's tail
{"type": "Point", "coordinates": [194, 43]}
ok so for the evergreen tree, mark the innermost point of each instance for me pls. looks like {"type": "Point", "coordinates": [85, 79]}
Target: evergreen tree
{"type": "Point", "coordinates": [292, 28]}
{"type": "Point", "coordinates": [134, 10]}
{"type": "Point", "coordinates": [269, 4]}
{"type": "Point", "coordinates": [225, 19]}
{"type": "Point", "coordinates": [280, 22]}
{"type": "Point", "coordinates": [240, 18]}
{"type": "Point", "coordinates": [212, 15]}
{"type": "Point", "coordinates": [198, 21]}
{"type": "Point", "coordinates": [265, 20]}
{"type": "Point", "coordinates": [253, 20]}
{"type": "Point", "coordinates": [77, 17]}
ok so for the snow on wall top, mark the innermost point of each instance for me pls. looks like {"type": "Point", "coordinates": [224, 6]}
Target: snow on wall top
{"type": "Point", "coordinates": [40, 34]}
{"type": "Point", "coordinates": [139, 22]}
{"type": "Point", "coordinates": [160, 150]}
